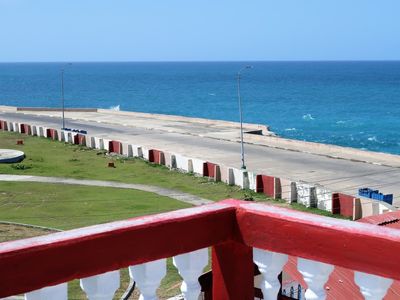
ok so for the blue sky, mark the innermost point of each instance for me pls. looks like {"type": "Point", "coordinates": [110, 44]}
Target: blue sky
{"type": "Point", "coordinates": [193, 30]}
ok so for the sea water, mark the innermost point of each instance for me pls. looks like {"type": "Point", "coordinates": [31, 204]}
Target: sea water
{"type": "Point", "coordinates": [354, 104]}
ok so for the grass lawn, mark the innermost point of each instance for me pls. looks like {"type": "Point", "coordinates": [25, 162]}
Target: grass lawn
{"type": "Point", "coordinates": [72, 206]}
{"type": "Point", "coordinates": [52, 158]}
{"type": "Point", "coordinates": [69, 206]}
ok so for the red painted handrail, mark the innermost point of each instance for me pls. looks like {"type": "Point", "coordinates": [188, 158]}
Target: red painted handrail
{"type": "Point", "coordinates": [30, 264]}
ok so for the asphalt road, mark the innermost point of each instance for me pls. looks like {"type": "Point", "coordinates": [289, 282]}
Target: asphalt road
{"type": "Point", "coordinates": [337, 174]}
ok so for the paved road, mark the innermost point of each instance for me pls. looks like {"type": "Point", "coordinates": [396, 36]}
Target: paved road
{"type": "Point", "coordinates": [337, 174]}
{"type": "Point", "coordinates": [180, 196]}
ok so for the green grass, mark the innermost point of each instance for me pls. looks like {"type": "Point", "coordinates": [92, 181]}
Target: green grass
{"type": "Point", "coordinates": [51, 158]}
{"type": "Point", "coordinates": [71, 206]}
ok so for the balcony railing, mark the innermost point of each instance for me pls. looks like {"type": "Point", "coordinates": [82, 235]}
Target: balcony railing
{"type": "Point", "coordinates": [239, 233]}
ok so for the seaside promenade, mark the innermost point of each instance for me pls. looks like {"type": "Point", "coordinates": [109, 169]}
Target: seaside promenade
{"type": "Point", "coordinates": [337, 168]}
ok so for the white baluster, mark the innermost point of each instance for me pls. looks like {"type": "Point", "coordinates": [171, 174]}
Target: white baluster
{"type": "Point", "coordinates": [372, 287]}
{"type": "Point", "coordinates": [102, 286]}
{"type": "Point", "coordinates": [190, 266]}
{"type": "Point", "coordinates": [270, 265]}
{"type": "Point", "coordinates": [315, 274]}
{"type": "Point", "coordinates": [59, 292]}
{"type": "Point", "coordinates": [148, 277]}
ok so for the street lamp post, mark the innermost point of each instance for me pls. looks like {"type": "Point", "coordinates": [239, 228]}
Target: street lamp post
{"type": "Point", "coordinates": [62, 94]}
{"type": "Point", "coordinates": [62, 98]}
{"type": "Point", "coordinates": [241, 115]}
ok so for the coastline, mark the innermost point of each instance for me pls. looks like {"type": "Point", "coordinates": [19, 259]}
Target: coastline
{"type": "Point", "coordinates": [256, 134]}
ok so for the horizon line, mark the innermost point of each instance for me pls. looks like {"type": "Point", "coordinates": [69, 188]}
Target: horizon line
{"type": "Point", "coordinates": [203, 61]}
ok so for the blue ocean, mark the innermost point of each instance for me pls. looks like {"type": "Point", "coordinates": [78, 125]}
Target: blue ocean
{"type": "Point", "coordinates": [355, 104]}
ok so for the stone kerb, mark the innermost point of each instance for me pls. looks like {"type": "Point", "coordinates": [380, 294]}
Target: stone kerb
{"type": "Point", "coordinates": [90, 142]}
{"type": "Point", "coordinates": [288, 190]}
{"type": "Point", "coordinates": [4, 125]}
{"type": "Point", "coordinates": [42, 131]}
{"type": "Point", "coordinates": [145, 153]}
{"type": "Point", "coordinates": [324, 198]}
{"type": "Point", "coordinates": [15, 127]}
{"type": "Point", "coordinates": [115, 147]}
{"type": "Point", "coordinates": [10, 126]}
{"type": "Point", "coordinates": [137, 151]}
{"type": "Point", "coordinates": [126, 149]}
{"type": "Point", "coordinates": [252, 181]}
{"type": "Point", "coordinates": [63, 137]}
{"type": "Point", "coordinates": [182, 163]}
{"type": "Point", "coordinates": [35, 130]}
{"type": "Point", "coordinates": [224, 173]}
{"type": "Point", "coordinates": [198, 166]}
{"type": "Point", "coordinates": [169, 160]}
{"type": "Point", "coordinates": [96, 142]}
{"type": "Point", "coordinates": [239, 177]}
{"type": "Point", "coordinates": [105, 144]}
{"type": "Point", "coordinates": [306, 194]}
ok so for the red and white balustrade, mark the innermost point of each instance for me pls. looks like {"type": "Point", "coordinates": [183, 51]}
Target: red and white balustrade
{"type": "Point", "coordinates": [240, 235]}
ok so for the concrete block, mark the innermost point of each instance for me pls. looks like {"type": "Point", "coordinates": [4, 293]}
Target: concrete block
{"type": "Point", "coordinates": [173, 162]}
{"type": "Point", "coordinates": [10, 126]}
{"type": "Point", "coordinates": [306, 194]}
{"type": "Point", "coordinates": [190, 166]}
{"type": "Point", "coordinates": [96, 142]}
{"type": "Point", "coordinates": [63, 136]}
{"type": "Point", "coordinates": [224, 173]}
{"type": "Point", "coordinates": [25, 129]}
{"type": "Point", "coordinates": [4, 125]}
{"type": "Point", "coordinates": [277, 188]}
{"type": "Point", "coordinates": [16, 127]}
{"type": "Point", "coordinates": [137, 151]}
{"type": "Point", "coordinates": [51, 133]}
{"type": "Point", "coordinates": [126, 150]}
{"type": "Point", "coordinates": [182, 163]}
{"type": "Point", "coordinates": [42, 131]}
{"type": "Point", "coordinates": [240, 178]}
{"type": "Point", "coordinates": [198, 166]}
{"type": "Point", "coordinates": [34, 130]}
{"type": "Point", "coordinates": [324, 198]}
{"type": "Point", "coordinates": [231, 177]}
{"type": "Point", "coordinates": [288, 190]}
{"type": "Point", "coordinates": [168, 159]}
{"type": "Point", "coordinates": [145, 153]}
{"type": "Point", "coordinates": [217, 173]}
{"type": "Point", "coordinates": [156, 156]}
{"type": "Point", "coordinates": [115, 147]}
{"type": "Point", "coordinates": [343, 204]}
{"type": "Point", "coordinates": [105, 144]}
{"type": "Point", "coordinates": [252, 181]}
{"type": "Point", "coordinates": [89, 141]}
{"type": "Point", "coordinates": [80, 139]}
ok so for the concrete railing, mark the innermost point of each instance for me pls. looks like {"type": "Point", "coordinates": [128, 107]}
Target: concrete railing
{"type": "Point", "coordinates": [240, 235]}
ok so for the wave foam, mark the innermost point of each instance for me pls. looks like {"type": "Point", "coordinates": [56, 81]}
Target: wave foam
{"type": "Point", "coordinates": [308, 117]}
{"type": "Point", "coordinates": [116, 108]}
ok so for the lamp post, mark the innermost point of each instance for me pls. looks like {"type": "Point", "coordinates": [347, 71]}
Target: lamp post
{"type": "Point", "coordinates": [241, 115]}
{"type": "Point", "coordinates": [62, 94]}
